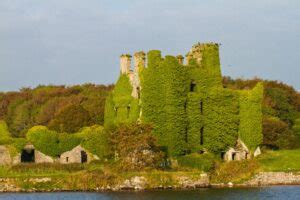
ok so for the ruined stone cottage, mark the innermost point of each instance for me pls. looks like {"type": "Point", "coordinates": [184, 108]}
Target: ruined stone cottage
{"type": "Point", "coordinates": [187, 104]}
{"type": "Point", "coordinates": [30, 154]}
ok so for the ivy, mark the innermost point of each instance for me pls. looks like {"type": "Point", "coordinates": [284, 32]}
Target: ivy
{"type": "Point", "coordinates": [163, 101]}
{"type": "Point", "coordinates": [250, 128]}
{"type": "Point", "coordinates": [187, 105]}
{"type": "Point", "coordinates": [121, 107]}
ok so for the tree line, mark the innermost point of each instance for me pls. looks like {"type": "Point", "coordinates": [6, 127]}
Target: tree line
{"type": "Point", "coordinates": [68, 109]}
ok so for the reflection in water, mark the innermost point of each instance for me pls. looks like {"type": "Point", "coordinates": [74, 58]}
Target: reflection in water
{"type": "Point", "coordinates": [278, 192]}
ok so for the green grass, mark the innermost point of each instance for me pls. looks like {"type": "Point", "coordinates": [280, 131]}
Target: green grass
{"type": "Point", "coordinates": [282, 160]}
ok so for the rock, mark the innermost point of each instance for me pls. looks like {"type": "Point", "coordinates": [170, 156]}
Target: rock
{"type": "Point", "coordinates": [230, 184]}
{"type": "Point", "coordinates": [136, 183]}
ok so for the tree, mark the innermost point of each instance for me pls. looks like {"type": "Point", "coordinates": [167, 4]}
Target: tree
{"type": "Point", "coordinates": [277, 134]}
{"type": "Point", "coordinates": [70, 119]}
{"type": "Point", "coordinates": [136, 147]}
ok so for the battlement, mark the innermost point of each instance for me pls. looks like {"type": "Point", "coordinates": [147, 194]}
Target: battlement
{"type": "Point", "coordinates": [196, 52]}
{"type": "Point", "coordinates": [125, 62]}
{"type": "Point", "coordinates": [198, 49]}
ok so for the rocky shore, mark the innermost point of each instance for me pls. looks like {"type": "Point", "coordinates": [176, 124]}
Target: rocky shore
{"type": "Point", "coordinates": [140, 183]}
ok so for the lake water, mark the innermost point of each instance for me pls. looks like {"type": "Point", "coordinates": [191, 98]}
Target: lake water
{"type": "Point", "coordinates": [278, 192]}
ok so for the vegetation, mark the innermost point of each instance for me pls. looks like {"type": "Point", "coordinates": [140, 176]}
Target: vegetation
{"type": "Point", "coordinates": [53, 104]}
{"type": "Point", "coordinates": [235, 171]}
{"type": "Point", "coordinates": [280, 160]}
{"type": "Point", "coordinates": [203, 162]}
{"type": "Point", "coordinates": [136, 148]}
{"type": "Point", "coordinates": [281, 110]}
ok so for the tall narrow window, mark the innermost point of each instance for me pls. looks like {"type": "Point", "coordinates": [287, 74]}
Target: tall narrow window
{"type": "Point", "coordinates": [128, 111]}
{"type": "Point", "coordinates": [192, 86]}
{"type": "Point", "coordinates": [138, 90]}
{"type": "Point", "coordinates": [201, 135]}
{"type": "Point", "coordinates": [201, 107]}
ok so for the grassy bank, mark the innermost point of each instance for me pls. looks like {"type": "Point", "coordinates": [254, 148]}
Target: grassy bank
{"type": "Point", "coordinates": [283, 160]}
{"type": "Point", "coordinates": [98, 176]}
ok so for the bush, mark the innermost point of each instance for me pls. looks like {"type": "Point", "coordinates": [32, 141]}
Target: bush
{"type": "Point", "coordinates": [234, 171]}
{"type": "Point", "coordinates": [5, 137]}
{"type": "Point", "coordinates": [44, 140]}
{"type": "Point", "coordinates": [204, 162]}
{"type": "Point", "coordinates": [68, 141]}
{"type": "Point", "coordinates": [277, 134]}
{"type": "Point", "coordinates": [136, 148]}
{"type": "Point", "coordinates": [96, 140]}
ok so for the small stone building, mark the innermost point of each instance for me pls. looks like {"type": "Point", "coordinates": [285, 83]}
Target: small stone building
{"type": "Point", "coordinates": [77, 155]}
{"type": "Point", "coordinates": [30, 155]}
{"type": "Point", "coordinates": [239, 152]}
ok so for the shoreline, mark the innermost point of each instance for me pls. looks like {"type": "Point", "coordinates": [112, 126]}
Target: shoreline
{"type": "Point", "coordinates": [140, 183]}
{"type": "Point", "coordinates": [237, 186]}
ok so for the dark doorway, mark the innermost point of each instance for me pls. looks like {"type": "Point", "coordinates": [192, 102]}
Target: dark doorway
{"type": "Point", "coordinates": [83, 157]}
{"type": "Point", "coordinates": [246, 155]}
{"type": "Point", "coordinates": [233, 155]}
{"type": "Point", "coordinates": [223, 155]}
{"type": "Point", "coordinates": [27, 156]}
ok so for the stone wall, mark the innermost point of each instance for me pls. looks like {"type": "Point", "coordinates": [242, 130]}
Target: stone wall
{"type": "Point", "coordinates": [75, 156]}
{"type": "Point", "coordinates": [42, 158]}
{"type": "Point", "coordinates": [5, 158]}
{"type": "Point", "coordinates": [275, 178]}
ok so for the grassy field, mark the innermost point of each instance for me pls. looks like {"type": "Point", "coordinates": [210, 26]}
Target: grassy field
{"type": "Point", "coordinates": [283, 160]}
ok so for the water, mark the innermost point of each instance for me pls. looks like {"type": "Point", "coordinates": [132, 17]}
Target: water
{"type": "Point", "coordinates": [278, 192]}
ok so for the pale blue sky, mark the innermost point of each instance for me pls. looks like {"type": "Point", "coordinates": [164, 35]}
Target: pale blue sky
{"type": "Point", "coordinates": [79, 41]}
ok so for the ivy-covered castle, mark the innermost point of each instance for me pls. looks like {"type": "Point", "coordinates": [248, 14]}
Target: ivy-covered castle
{"type": "Point", "coordinates": [187, 104]}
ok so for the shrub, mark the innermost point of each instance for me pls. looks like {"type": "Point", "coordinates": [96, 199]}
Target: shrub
{"type": "Point", "coordinates": [136, 148]}
{"type": "Point", "coordinates": [277, 134]}
{"type": "Point", "coordinates": [234, 171]}
{"type": "Point", "coordinates": [44, 140]}
{"type": "Point", "coordinates": [68, 141]}
{"type": "Point", "coordinates": [96, 140]}
{"type": "Point", "coordinates": [5, 137]}
{"type": "Point", "coordinates": [19, 143]}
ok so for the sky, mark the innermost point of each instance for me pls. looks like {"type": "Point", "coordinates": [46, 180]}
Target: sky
{"type": "Point", "coordinates": [66, 42]}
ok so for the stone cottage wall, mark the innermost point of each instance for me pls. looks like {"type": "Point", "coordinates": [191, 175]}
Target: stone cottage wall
{"type": "Point", "coordinates": [74, 156]}
{"type": "Point", "coordinates": [5, 158]}
{"type": "Point", "coordinates": [42, 158]}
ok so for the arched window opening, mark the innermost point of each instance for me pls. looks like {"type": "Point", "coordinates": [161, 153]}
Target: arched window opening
{"type": "Point", "coordinates": [201, 135]}
{"type": "Point", "coordinates": [193, 86]}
